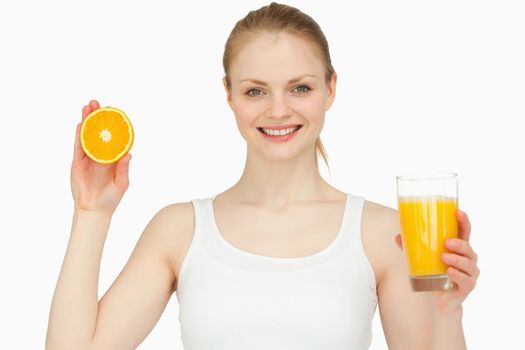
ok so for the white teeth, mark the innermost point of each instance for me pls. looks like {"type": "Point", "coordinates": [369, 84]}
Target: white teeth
{"type": "Point", "coordinates": [279, 132]}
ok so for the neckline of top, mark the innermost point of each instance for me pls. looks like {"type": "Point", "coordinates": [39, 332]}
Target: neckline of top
{"type": "Point", "coordinates": [323, 252]}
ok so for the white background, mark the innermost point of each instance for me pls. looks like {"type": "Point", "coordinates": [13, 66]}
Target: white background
{"type": "Point", "coordinates": [422, 85]}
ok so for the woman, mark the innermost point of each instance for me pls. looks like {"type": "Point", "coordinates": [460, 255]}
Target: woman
{"type": "Point", "coordinates": [282, 259]}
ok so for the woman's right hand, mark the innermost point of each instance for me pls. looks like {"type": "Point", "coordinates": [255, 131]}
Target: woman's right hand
{"type": "Point", "coordinates": [97, 187]}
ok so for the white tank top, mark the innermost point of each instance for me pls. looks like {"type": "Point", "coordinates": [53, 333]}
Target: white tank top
{"type": "Point", "coordinates": [231, 299]}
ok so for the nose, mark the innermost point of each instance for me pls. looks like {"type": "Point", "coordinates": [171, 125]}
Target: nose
{"type": "Point", "coordinates": [278, 107]}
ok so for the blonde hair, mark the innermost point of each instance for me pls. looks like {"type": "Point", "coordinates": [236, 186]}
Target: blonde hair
{"type": "Point", "coordinates": [278, 18]}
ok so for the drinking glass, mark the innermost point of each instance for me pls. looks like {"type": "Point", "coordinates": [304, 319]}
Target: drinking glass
{"type": "Point", "coordinates": [427, 204]}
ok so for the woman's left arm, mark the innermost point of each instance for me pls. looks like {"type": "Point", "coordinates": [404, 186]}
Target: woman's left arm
{"type": "Point", "coordinates": [423, 320]}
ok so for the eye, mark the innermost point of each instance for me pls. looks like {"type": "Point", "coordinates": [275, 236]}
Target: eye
{"type": "Point", "coordinates": [254, 92]}
{"type": "Point", "coordinates": [301, 89]}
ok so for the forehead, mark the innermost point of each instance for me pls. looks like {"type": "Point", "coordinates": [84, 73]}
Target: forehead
{"type": "Point", "coordinates": [275, 57]}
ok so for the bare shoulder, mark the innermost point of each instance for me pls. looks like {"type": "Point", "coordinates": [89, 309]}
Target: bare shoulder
{"type": "Point", "coordinates": [380, 225]}
{"type": "Point", "coordinates": [174, 218]}
{"type": "Point", "coordinates": [173, 227]}
{"type": "Point", "coordinates": [381, 218]}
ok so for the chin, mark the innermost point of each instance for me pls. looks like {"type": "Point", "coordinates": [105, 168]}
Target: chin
{"type": "Point", "coordinates": [283, 157]}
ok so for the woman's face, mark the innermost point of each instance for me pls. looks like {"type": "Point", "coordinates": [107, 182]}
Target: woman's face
{"type": "Point", "coordinates": [278, 82]}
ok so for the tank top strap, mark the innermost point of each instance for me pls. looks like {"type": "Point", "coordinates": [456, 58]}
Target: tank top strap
{"type": "Point", "coordinates": [355, 241]}
{"type": "Point", "coordinates": [350, 230]}
{"type": "Point", "coordinates": [354, 215]}
{"type": "Point", "coordinates": [200, 208]}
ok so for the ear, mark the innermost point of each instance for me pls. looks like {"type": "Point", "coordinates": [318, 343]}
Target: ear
{"type": "Point", "coordinates": [228, 91]}
{"type": "Point", "coordinates": [331, 91]}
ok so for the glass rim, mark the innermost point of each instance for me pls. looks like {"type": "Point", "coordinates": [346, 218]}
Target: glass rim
{"type": "Point", "coordinates": [425, 176]}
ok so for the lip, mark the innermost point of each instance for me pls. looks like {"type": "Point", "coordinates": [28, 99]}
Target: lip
{"type": "Point", "coordinates": [279, 127]}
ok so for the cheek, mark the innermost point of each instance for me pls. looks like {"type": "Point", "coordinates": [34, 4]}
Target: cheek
{"type": "Point", "coordinates": [313, 109]}
{"type": "Point", "coordinates": [245, 116]}
{"type": "Point", "coordinates": [246, 113]}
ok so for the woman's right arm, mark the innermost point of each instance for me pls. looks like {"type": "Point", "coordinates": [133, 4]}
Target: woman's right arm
{"type": "Point", "coordinates": [134, 303]}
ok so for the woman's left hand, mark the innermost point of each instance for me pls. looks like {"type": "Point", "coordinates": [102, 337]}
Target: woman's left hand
{"type": "Point", "coordinates": [462, 269]}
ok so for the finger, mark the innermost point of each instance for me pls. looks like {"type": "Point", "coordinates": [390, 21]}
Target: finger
{"type": "Point", "coordinates": [85, 111]}
{"type": "Point", "coordinates": [461, 247]}
{"type": "Point", "coordinates": [78, 153]}
{"type": "Point", "coordinates": [399, 242]}
{"type": "Point", "coordinates": [464, 225]}
{"type": "Point", "coordinates": [122, 173]}
{"type": "Point", "coordinates": [464, 282]}
{"type": "Point", "coordinates": [462, 263]}
{"type": "Point", "coordinates": [90, 107]}
{"type": "Point", "coordinates": [94, 104]}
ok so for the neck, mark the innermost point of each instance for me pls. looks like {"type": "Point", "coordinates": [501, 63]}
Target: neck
{"type": "Point", "coordinates": [278, 184]}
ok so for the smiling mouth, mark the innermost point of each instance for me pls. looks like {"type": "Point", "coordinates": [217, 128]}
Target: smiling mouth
{"type": "Point", "coordinates": [279, 132]}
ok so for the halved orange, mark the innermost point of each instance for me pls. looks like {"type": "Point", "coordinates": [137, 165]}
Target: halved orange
{"type": "Point", "coordinates": [106, 135]}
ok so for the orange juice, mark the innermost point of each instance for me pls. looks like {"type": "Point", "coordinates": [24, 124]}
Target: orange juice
{"type": "Point", "coordinates": [426, 222]}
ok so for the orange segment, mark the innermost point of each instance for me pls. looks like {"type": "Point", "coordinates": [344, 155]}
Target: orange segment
{"type": "Point", "coordinates": [106, 135]}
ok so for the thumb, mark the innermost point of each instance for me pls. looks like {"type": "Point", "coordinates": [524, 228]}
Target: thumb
{"type": "Point", "coordinates": [122, 173]}
{"type": "Point", "coordinates": [399, 241]}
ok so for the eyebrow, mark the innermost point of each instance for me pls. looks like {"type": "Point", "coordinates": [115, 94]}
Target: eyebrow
{"type": "Point", "coordinates": [294, 80]}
